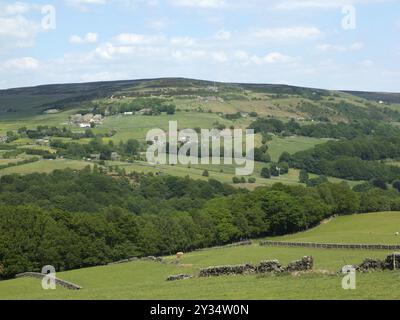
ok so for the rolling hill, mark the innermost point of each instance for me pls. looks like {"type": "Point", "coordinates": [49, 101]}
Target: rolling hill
{"type": "Point", "coordinates": [266, 99]}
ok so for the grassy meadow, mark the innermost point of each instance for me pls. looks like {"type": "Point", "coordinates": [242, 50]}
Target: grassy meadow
{"type": "Point", "coordinates": [147, 280]}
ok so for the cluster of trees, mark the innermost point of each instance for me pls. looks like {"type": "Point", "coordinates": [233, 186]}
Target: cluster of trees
{"type": "Point", "coordinates": [89, 190]}
{"type": "Point", "coordinates": [271, 125]}
{"type": "Point", "coordinates": [78, 219]}
{"type": "Point", "coordinates": [357, 159]}
{"type": "Point", "coordinates": [154, 105]}
{"type": "Point", "coordinates": [239, 115]}
{"type": "Point", "coordinates": [275, 170]}
{"type": "Point", "coordinates": [261, 154]}
{"type": "Point", "coordinates": [357, 128]}
{"type": "Point", "coordinates": [347, 130]}
{"type": "Point", "coordinates": [73, 150]}
{"type": "Point", "coordinates": [40, 152]}
{"type": "Point", "coordinates": [46, 131]}
{"type": "Point", "coordinates": [239, 180]}
{"type": "Point", "coordinates": [19, 163]}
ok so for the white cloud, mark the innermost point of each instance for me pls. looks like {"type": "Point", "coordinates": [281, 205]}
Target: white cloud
{"type": "Point", "coordinates": [286, 34]}
{"type": "Point", "coordinates": [158, 24]}
{"type": "Point", "coordinates": [17, 31]}
{"type": "Point", "coordinates": [397, 24]}
{"type": "Point", "coordinates": [320, 4]}
{"type": "Point", "coordinates": [367, 63]}
{"type": "Point", "coordinates": [199, 3]}
{"type": "Point", "coordinates": [223, 35]}
{"type": "Point", "coordinates": [273, 57]}
{"type": "Point", "coordinates": [90, 37]}
{"type": "Point", "coordinates": [85, 2]}
{"type": "Point", "coordinates": [220, 56]}
{"type": "Point", "coordinates": [138, 39]}
{"type": "Point", "coordinates": [183, 41]}
{"type": "Point", "coordinates": [83, 5]}
{"type": "Point", "coordinates": [326, 47]}
{"type": "Point", "coordinates": [21, 64]}
{"type": "Point", "coordinates": [7, 9]}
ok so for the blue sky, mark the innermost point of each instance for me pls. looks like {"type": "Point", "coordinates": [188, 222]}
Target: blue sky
{"type": "Point", "coordinates": [298, 42]}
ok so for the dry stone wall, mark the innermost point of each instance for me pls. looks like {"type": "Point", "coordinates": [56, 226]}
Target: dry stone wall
{"type": "Point", "coordinates": [392, 262]}
{"type": "Point", "coordinates": [269, 266]}
{"type": "Point", "coordinates": [305, 264]}
{"type": "Point", "coordinates": [179, 277]}
{"type": "Point", "coordinates": [62, 283]}
{"type": "Point", "coordinates": [227, 270]}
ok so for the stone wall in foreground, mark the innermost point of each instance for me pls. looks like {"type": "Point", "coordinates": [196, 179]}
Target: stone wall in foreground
{"type": "Point", "coordinates": [392, 262]}
{"type": "Point", "coordinates": [62, 283]}
{"type": "Point", "coordinates": [269, 266]}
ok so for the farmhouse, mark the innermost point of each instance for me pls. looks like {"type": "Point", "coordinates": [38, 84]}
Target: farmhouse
{"type": "Point", "coordinates": [87, 120]}
{"type": "Point", "coordinates": [145, 111]}
{"type": "Point", "coordinates": [51, 111]}
{"type": "Point", "coordinates": [43, 142]}
{"type": "Point", "coordinates": [115, 156]}
{"type": "Point", "coordinates": [3, 139]}
{"type": "Point", "coordinates": [95, 156]}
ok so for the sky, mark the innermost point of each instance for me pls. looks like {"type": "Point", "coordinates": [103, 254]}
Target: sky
{"type": "Point", "coordinates": [330, 44]}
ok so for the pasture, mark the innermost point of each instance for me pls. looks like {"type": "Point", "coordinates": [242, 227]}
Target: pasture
{"type": "Point", "coordinates": [147, 280]}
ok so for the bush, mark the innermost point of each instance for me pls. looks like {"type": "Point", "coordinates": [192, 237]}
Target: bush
{"type": "Point", "coordinates": [236, 180]}
{"type": "Point", "coordinates": [265, 173]}
{"type": "Point", "coordinates": [396, 185]}
{"type": "Point", "coordinates": [206, 173]}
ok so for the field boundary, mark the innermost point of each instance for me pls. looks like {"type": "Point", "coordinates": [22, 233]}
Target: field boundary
{"type": "Point", "coordinates": [62, 283]}
{"type": "Point", "coordinates": [330, 245]}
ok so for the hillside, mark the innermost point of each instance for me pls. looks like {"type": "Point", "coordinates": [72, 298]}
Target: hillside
{"type": "Point", "coordinates": [266, 99]}
{"type": "Point", "coordinates": [147, 280]}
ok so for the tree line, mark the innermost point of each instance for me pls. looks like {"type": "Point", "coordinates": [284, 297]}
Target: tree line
{"type": "Point", "coordinates": [341, 130]}
{"type": "Point", "coordinates": [73, 219]}
{"type": "Point", "coordinates": [357, 159]}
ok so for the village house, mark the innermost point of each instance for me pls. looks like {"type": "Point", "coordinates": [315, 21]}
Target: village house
{"type": "Point", "coordinates": [145, 111]}
{"type": "Point", "coordinates": [115, 156]}
{"type": "Point", "coordinates": [51, 111]}
{"type": "Point", "coordinates": [95, 156]}
{"type": "Point", "coordinates": [43, 142]}
{"type": "Point", "coordinates": [87, 120]}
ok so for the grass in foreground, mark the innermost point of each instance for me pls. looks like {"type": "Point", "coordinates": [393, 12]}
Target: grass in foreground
{"type": "Point", "coordinates": [147, 280]}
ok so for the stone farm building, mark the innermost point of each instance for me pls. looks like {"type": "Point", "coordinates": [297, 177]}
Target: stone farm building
{"type": "Point", "coordinates": [87, 120]}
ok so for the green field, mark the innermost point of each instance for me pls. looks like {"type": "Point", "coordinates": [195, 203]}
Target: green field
{"type": "Point", "coordinates": [137, 126]}
{"type": "Point", "coordinates": [45, 166]}
{"type": "Point", "coordinates": [147, 280]}
{"type": "Point", "coordinates": [373, 228]}
{"type": "Point", "coordinates": [292, 145]}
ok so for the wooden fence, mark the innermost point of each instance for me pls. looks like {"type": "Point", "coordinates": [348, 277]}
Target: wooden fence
{"type": "Point", "coordinates": [330, 245]}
